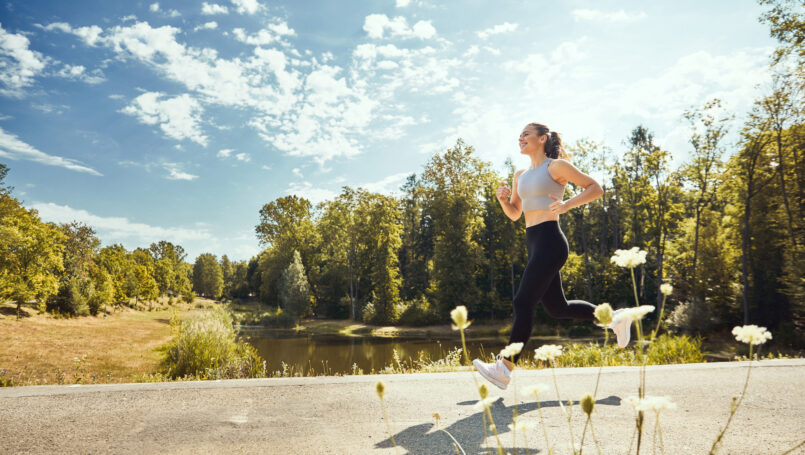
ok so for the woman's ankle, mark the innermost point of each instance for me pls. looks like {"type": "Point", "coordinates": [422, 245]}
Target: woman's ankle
{"type": "Point", "coordinates": [508, 364]}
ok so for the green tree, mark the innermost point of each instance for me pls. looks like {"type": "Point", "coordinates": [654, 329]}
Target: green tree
{"type": "Point", "coordinates": [708, 129]}
{"type": "Point", "coordinates": [455, 183]}
{"type": "Point", "coordinates": [30, 255]}
{"type": "Point", "coordinates": [76, 284]}
{"type": "Point", "coordinates": [380, 218]}
{"type": "Point", "coordinates": [286, 224]}
{"type": "Point", "coordinates": [208, 280]}
{"type": "Point", "coordinates": [295, 295]}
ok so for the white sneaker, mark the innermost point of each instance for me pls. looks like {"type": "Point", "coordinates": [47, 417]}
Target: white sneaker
{"type": "Point", "coordinates": [622, 328]}
{"type": "Point", "coordinates": [497, 373]}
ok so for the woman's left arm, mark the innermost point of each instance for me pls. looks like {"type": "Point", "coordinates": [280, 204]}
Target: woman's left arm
{"type": "Point", "coordinates": [565, 170]}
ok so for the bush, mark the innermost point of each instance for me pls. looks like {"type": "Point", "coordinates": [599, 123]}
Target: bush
{"type": "Point", "coordinates": [368, 313]}
{"type": "Point", "coordinates": [691, 317]}
{"type": "Point", "coordinates": [189, 297]}
{"type": "Point", "coordinates": [665, 349]}
{"type": "Point", "coordinates": [204, 345]}
{"type": "Point", "coordinates": [72, 298]}
{"type": "Point", "coordinates": [418, 312]}
{"type": "Point", "coordinates": [279, 319]}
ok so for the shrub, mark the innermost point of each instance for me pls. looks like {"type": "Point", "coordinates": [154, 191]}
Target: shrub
{"type": "Point", "coordinates": [278, 319]}
{"type": "Point", "coordinates": [368, 312]}
{"type": "Point", "coordinates": [204, 345]}
{"type": "Point", "coordinates": [418, 312]}
{"type": "Point", "coordinates": [691, 317]}
{"type": "Point", "coordinates": [665, 349]}
{"type": "Point", "coordinates": [189, 297]}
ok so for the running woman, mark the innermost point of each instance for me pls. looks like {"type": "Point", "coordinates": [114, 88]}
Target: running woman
{"type": "Point", "coordinates": [538, 193]}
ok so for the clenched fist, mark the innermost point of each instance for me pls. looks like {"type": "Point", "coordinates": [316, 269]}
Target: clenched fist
{"type": "Point", "coordinates": [503, 192]}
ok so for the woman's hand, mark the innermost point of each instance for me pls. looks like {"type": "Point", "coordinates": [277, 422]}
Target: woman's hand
{"type": "Point", "coordinates": [558, 207]}
{"type": "Point", "coordinates": [503, 192]}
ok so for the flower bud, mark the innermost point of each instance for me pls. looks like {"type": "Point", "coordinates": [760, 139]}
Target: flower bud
{"type": "Point", "coordinates": [603, 313]}
{"type": "Point", "coordinates": [483, 391]}
{"type": "Point", "coordinates": [380, 389]}
{"type": "Point", "coordinates": [587, 404]}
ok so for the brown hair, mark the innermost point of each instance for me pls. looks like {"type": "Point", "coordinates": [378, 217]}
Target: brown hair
{"type": "Point", "coordinates": [553, 146]}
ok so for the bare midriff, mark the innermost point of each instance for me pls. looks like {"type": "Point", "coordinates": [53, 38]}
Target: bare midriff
{"type": "Point", "coordinates": [538, 216]}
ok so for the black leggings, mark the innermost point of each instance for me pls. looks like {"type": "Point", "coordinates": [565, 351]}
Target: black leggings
{"type": "Point", "coordinates": [547, 253]}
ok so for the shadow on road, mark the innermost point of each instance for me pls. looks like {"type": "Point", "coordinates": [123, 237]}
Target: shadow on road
{"type": "Point", "coordinates": [469, 431]}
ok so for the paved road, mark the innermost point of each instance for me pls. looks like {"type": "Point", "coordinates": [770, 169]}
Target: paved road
{"type": "Point", "coordinates": [342, 415]}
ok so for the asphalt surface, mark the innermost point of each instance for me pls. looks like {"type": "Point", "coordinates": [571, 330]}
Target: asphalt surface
{"type": "Point", "coordinates": [342, 415]}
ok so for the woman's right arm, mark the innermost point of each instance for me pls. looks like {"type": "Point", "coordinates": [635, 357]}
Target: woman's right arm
{"type": "Point", "coordinates": [512, 208]}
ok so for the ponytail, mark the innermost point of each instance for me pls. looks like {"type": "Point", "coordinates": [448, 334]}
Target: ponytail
{"type": "Point", "coordinates": [553, 146]}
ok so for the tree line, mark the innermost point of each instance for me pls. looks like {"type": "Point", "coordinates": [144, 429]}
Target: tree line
{"type": "Point", "coordinates": [725, 228]}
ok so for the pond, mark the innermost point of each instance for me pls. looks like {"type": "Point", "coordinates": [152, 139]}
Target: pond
{"type": "Point", "coordinates": [336, 354]}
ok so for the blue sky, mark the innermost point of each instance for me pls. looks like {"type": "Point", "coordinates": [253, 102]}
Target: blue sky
{"type": "Point", "coordinates": [178, 120]}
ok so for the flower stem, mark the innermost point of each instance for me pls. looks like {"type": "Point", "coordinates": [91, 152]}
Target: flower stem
{"type": "Point", "coordinates": [734, 406]}
{"type": "Point", "coordinates": [388, 427]}
{"type": "Point", "coordinates": [595, 441]}
{"type": "Point", "coordinates": [542, 422]}
{"type": "Point", "coordinates": [458, 446]}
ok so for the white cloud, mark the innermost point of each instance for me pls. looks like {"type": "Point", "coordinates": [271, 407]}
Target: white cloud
{"type": "Point", "coordinates": [267, 168]}
{"type": "Point", "coordinates": [297, 172]}
{"type": "Point", "coordinates": [212, 25]}
{"type": "Point", "coordinates": [403, 3]}
{"type": "Point", "coordinates": [18, 64]}
{"type": "Point", "coordinates": [78, 72]}
{"type": "Point", "coordinates": [324, 114]}
{"type": "Point", "coordinates": [246, 6]}
{"type": "Point", "coordinates": [175, 172]}
{"type": "Point", "coordinates": [178, 117]}
{"type": "Point", "coordinates": [689, 81]}
{"type": "Point", "coordinates": [226, 153]}
{"type": "Point", "coordinates": [505, 27]}
{"type": "Point", "coordinates": [12, 147]}
{"type": "Point", "coordinates": [154, 7]}
{"type": "Point", "coordinates": [307, 191]}
{"type": "Point", "coordinates": [388, 185]}
{"type": "Point", "coordinates": [272, 33]}
{"type": "Point", "coordinates": [118, 229]}
{"type": "Point", "coordinates": [211, 8]}
{"type": "Point", "coordinates": [376, 25]}
{"type": "Point", "coordinates": [602, 16]}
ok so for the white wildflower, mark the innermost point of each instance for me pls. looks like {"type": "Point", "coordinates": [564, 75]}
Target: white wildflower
{"type": "Point", "coordinates": [459, 315]}
{"type": "Point", "coordinates": [548, 352]}
{"type": "Point", "coordinates": [535, 389]}
{"type": "Point", "coordinates": [523, 425]}
{"type": "Point", "coordinates": [629, 258]}
{"type": "Point", "coordinates": [651, 403]}
{"type": "Point", "coordinates": [666, 288]}
{"type": "Point", "coordinates": [484, 403]}
{"type": "Point", "coordinates": [511, 350]}
{"type": "Point", "coordinates": [751, 334]}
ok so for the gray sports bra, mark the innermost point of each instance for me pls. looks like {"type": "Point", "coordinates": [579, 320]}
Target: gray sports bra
{"type": "Point", "coordinates": [534, 186]}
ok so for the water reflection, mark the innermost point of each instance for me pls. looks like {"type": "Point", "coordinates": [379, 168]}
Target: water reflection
{"type": "Point", "coordinates": [334, 354]}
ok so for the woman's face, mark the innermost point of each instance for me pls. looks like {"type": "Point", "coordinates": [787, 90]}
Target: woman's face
{"type": "Point", "coordinates": [530, 141]}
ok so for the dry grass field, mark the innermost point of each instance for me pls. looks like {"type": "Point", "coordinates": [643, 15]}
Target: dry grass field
{"type": "Point", "coordinates": [108, 348]}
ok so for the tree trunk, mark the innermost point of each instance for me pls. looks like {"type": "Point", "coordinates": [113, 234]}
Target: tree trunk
{"type": "Point", "coordinates": [745, 250]}
{"type": "Point", "coordinates": [781, 170]}
{"type": "Point", "coordinates": [695, 250]}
